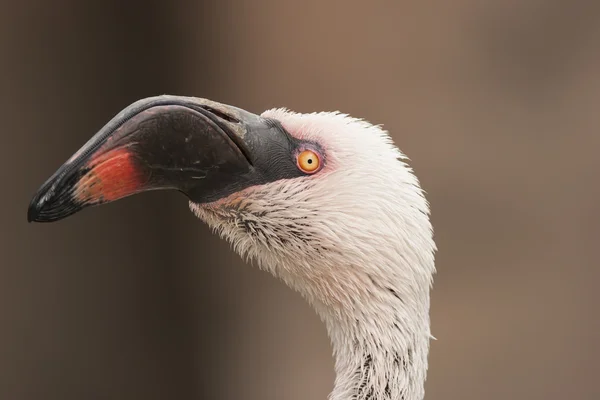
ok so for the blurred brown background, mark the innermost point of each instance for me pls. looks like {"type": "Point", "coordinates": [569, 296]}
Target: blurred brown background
{"type": "Point", "coordinates": [495, 102]}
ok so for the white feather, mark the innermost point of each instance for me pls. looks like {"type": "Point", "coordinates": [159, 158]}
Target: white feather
{"type": "Point", "coordinates": [356, 241]}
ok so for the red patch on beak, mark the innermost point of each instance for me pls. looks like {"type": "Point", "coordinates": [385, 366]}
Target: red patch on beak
{"type": "Point", "coordinates": [112, 176]}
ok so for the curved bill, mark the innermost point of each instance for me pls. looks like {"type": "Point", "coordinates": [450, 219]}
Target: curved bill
{"type": "Point", "coordinates": [202, 148]}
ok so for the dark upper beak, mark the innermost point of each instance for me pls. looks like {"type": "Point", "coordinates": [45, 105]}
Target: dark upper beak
{"type": "Point", "coordinates": [202, 148]}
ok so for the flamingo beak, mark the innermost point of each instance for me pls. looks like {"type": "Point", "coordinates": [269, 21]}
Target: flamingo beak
{"type": "Point", "coordinates": [201, 148]}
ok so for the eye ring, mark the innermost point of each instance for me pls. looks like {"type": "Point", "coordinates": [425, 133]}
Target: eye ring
{"type": "Point", "coordinates": [308, 161]}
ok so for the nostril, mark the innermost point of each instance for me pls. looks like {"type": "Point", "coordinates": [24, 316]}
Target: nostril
{"type": "Point", "coordinates": [221, 115]}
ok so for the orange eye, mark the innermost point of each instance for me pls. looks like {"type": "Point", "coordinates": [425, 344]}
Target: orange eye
{"type": "Point", "coordinates": [308, 161]}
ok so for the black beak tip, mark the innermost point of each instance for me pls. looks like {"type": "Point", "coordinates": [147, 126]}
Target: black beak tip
{"type": "Point", "coordinates": [48, 205]}
{"type": "Point", "coordinates": [32, 212]}
{"type": "Point", "coordinates": [36, 207]}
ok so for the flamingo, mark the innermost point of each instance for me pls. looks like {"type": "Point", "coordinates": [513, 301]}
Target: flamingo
{"type": "Point", "coordinates": [323, 201]}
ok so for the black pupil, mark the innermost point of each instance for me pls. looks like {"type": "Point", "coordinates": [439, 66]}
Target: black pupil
{"type": "Point", "coordinates": [310, 161]}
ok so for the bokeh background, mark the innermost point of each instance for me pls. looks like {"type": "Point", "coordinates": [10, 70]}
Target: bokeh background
{"type": "Point", "coordinates": [496, 103]}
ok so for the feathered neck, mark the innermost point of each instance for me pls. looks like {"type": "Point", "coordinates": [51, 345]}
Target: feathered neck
{"type": "Point", "coordinates": [372, 296]}
{"type": "Point", "coordinates": [381, 348]}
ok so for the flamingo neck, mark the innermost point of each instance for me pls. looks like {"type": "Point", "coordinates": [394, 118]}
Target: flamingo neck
{"type": "Point", "coordinates": [382, 354]}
